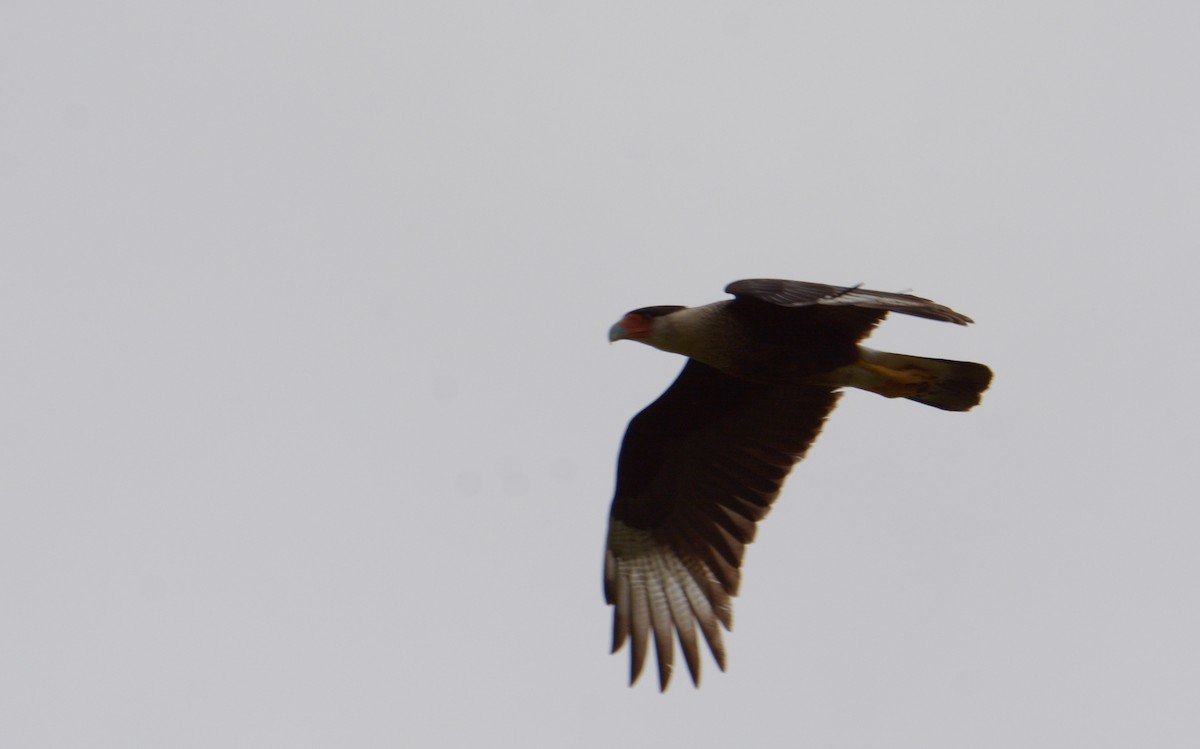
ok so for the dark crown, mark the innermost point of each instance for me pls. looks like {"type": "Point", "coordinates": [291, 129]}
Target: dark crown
{"type": "Point", "coordinates": [659, 311]}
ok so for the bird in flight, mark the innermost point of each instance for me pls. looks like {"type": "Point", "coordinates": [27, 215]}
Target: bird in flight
{"type": "Point", "coordinates": [701, 465]}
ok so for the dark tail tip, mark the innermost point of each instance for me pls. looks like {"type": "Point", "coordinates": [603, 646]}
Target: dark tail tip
{"type": "Point", "coordinates": [957, 385]}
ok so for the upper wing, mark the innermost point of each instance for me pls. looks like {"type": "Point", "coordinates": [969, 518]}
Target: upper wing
{"type": "Point", "coordinates": [803, 294]}
{"type": "Point", "coordinates": [698, 468]}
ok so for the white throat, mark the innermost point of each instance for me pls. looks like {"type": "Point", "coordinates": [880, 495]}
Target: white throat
{"type": "Point", "coordinates": [690, 332]}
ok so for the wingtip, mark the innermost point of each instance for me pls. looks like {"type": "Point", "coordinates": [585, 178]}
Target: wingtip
{"type": "Point", "coordinates": [635, 671]}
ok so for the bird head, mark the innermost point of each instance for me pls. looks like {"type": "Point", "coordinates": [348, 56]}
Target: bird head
{"type": "Point", "coordinates": [646, 325]}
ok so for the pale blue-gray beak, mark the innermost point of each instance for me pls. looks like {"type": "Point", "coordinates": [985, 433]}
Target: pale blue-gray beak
{"type": "Point", "coordinates": [616, 333]}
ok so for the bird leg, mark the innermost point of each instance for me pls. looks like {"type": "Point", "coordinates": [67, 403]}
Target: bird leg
{"type": "Point", "coordinates": [898, 383]}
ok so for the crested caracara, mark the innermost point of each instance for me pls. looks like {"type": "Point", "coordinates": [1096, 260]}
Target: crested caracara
{"type": "Point", "coordinates": [701, 465]}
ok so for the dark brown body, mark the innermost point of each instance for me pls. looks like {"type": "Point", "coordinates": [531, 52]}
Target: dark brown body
{"type": "Point", "coordinates": [774, 345]}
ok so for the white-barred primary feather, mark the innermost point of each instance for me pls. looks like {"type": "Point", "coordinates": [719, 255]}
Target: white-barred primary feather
{"type": "Point", "coordinates": [657, 591]}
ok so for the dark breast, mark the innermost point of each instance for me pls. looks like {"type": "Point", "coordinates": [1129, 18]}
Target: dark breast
{"type": "Point", "coordinates": [780, 345]}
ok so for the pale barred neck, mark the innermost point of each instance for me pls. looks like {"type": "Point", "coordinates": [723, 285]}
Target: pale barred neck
{"type": "Point", "coordinates": [698, 332]}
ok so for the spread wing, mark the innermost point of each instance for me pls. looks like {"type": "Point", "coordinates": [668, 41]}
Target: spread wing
{"type": "Point", "coordinates": [801, 294]}
{"type": "Point", "coordinates": [698, 468]}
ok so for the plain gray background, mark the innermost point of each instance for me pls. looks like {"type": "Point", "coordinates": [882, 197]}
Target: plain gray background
{"type": "Point", "coordinates": [309, 421]}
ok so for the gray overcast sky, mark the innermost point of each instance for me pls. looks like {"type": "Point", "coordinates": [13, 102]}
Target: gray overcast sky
{"type": "Point", "coordinates": [309, 420]}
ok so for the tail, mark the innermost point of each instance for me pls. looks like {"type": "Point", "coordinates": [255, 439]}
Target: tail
{"type": "Point", "coordinates": [941, 383]}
